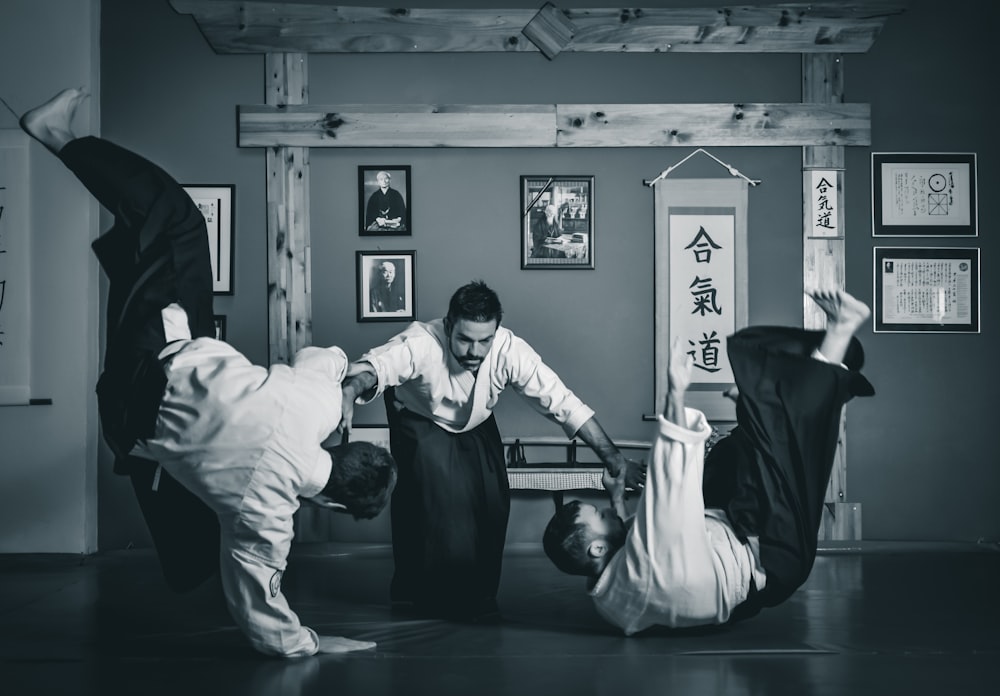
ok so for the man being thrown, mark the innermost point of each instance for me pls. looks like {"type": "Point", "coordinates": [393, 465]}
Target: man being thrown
{"type": "Point", "coordinates": [186, 414]}
{"type": "Point", "coordinates": [709, 551]}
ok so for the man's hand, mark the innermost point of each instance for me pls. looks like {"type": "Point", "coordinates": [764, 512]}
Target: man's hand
{"type": "Point", "coordinates": [358, 380]}
{"type": "Point", "coordinates": [631, 474]}
{"type": "Point", "coordinates": [346, 411]}
{"type": "Point", "coordinates": [678, 380]}
{"type": "Point", "coordinates": [330, 645]}
{"type": "Point", "coordinates": [615, 486]}
{"type": "Point", "coordinates": [635, 473]}
{"type": "Point", "coordinates": [680, 368]}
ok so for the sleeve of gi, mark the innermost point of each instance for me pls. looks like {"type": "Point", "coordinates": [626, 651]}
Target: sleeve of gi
{"type": "Point", "coordinates": [331, 362]}
{"type": "Point", "coordinates": [252, 587]}
{"type": "Point", "coordinates": [673, 510]}
{"type": "Point", "coordinates": [543, 388]}
{"type": "Point", "coordinates": [393, 363]}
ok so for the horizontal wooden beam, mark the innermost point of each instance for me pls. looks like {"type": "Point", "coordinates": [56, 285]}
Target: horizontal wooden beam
{"type": "Point", "coordinates": [696, 125]}
{"type": "Point", "coordinates": [398, 125]}
{"type": "Point", "coordinates": [247, 26]}
{"type": "Point", "coordinates": [554, 125]}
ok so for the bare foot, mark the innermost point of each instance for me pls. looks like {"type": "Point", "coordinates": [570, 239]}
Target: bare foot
{"type": "Point", "coordinates": [51, 123]}
{"type": "Point", "coordinates": [843, 311]}
{"type": "Point", "coordinates": [844, 315]}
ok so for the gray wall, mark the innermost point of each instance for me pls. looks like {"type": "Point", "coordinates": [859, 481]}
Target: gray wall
{"type": "Point", "coordinates": [48, 454]}
{"type": "Point", "coordinates": [917, 453]}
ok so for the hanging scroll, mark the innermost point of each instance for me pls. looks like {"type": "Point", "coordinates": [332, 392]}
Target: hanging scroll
{"type": "Point", "coordinates": [15, 279]}
{"type": "Point", "coordinates": [700, 283]}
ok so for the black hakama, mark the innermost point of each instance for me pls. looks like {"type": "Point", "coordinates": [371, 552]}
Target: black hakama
{"type": "Point", "coordinates": [449, 515]}
{"type": "Point", "coordinates": [771, 472]}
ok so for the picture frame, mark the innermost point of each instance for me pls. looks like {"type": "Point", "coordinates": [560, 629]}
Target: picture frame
{"type": "Point", "coordinates": [384, 201]}
{"type": "Point", "coordinates": [16, 355]}
{"type": "Point", "coordinates": [924, 194]}
{"type": "Point", "coordinates": [216, 201]}
{"type": "Point", "coordinates": [386, 288]}
{"type": "Point", "coordinates": [219, 320]}
{"type": "Point", "coordinates": [926, 289]}
{"type": "Point", "coordinates": [557, 222]}
{"type": "Point", "coordinates": [377, 435]}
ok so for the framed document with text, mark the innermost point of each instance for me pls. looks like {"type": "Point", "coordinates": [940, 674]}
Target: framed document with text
{"type": "Point", "coordinates": [926, 290]}
{"type": "Point", "coordinates": [924, 194]}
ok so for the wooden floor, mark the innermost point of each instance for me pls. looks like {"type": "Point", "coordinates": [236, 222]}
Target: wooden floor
{"type": "Point", "coordinates": [889, 619]}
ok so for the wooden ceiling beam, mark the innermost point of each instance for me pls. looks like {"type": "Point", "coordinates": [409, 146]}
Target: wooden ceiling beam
{"type": "Point", "coordinates": [248, 26]}
{"type": "Point", "coordinates": [554, 125]}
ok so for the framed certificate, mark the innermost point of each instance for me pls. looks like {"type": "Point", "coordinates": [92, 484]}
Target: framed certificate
{"type": "Point", "coordinates": [926, 290]}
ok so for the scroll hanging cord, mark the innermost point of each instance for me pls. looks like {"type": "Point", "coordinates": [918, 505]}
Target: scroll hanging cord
{"type": "Point", "coordinates": [9, 108]}
{"type": "Point", "coordinates": [732, 170]}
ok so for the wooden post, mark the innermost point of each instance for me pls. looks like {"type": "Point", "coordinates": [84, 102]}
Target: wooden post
{"type": "Point", "coordinates": [289, 295]}
{"type": "Point", "coordinates": [823, 261]}
{"type": "Point", "coordinates": [288, 288]}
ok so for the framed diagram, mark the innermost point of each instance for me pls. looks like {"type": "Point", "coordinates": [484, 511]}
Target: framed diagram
{"type": "Point", "coordinates": [924, 194]}
{"type": "Point", "coordinates": [216, 203]}
{"type": "Point", "coordinates": [920, 289]}
{"type": "Point", "coordinates": [385, 285]}
{"type": "Point", "coordinates": [557, 222]}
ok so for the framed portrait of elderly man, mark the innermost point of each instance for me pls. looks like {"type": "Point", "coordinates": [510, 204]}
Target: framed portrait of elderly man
{"type": "Point", "coordinates": [384, 200]}
{"type": "Point", "coordinates": [557, 222]}
{"type": "Point", "coordinates": [385, 285]}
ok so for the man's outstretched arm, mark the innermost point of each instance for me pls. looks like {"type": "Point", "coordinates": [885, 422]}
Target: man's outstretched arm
{"type": "Point", "coordinates": [619, 471]}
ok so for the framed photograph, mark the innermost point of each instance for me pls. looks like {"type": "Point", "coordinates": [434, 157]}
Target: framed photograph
{"type": "Point", "coordinates": [384, 200]}
{"type": "Point", "coordinates": [378, 435]}
{"type": "Point", "coordinates": [216, 203]}
{"type": "Point", "coordinates": [385, 285]}
{"type": "Point", "coordinates": [557, 221]}
{"type": "Point", "coordinates": [926, 290]}
{"type": "Point", "coordinates": [924, 194]}
{"type": "Point", "coordinates": [220, 326]}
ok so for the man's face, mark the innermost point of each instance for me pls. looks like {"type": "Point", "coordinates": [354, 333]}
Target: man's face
{"type": "Point", "coordinates": [383, 180]}
{"type": "Point", "coordinates": [470, 341]}
{"type": "Point", "coordinates": [388, 271]}
{"type": "Point", "coordinates": [604, 524]}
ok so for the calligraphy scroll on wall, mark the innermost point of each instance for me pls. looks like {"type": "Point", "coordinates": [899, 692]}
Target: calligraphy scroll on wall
{"type": "Point", "coordinates": [15, 279]}
{"type": "Point", "coordinates": [700, 283]}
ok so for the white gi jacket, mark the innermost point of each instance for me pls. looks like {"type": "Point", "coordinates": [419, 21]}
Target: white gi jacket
{"type": "Point", "coordinates": [681, 565]}
{"type": "Point", "coordinates": [246, 440]}
{"type": "Point", "coordinates": [430, 382]}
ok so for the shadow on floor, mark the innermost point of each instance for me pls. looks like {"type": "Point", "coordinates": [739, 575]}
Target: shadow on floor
{"type": "Point", "coordinates": [869, 621]}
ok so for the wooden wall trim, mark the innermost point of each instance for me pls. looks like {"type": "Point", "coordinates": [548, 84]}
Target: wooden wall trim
{"type": "Point", "coordinates": [558, 125]}
{"type": "Point", "coordinates": [247, 26]}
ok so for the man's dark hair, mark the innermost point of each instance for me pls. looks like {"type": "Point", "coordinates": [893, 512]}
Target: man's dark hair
{"type": "Point", "coordinates": [361, 479]}
{"type": "Point", "coordinates": [565, 541]}
{"type": "Point", "coordinates": [475, 302]}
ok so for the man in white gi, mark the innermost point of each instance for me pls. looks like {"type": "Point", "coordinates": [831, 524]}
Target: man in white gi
{"type": "Point", "coordinates": [701, 552]}
{"type": "Point", "coordinates": [441, 381]}
{"type": "Point", "coordinates": [177, 405]}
